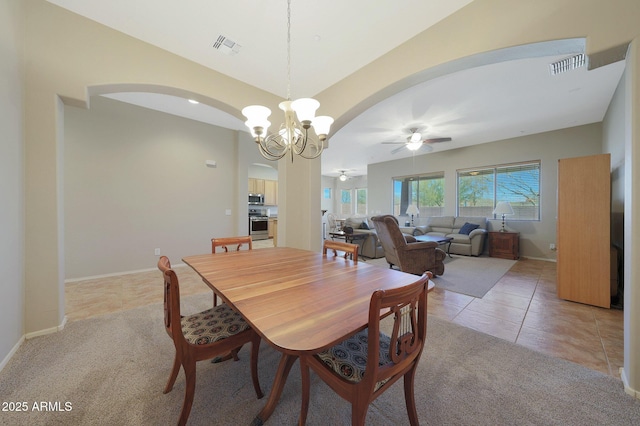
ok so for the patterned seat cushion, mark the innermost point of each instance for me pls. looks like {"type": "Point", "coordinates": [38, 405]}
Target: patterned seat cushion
{"type": "Point", "coordinates": [349, 357]}
{"type": "Point", "coordinates": [212, 325]}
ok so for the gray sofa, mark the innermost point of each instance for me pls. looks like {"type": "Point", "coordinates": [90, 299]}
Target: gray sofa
{"type": "Point", "coordinates": [371, 246]}
{"type": "Point", "coordinates": [450, 226]}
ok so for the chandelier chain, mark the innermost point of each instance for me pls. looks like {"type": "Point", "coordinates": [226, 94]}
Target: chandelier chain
{"type": "Point", "coordinates": [293, 136]}
{"type": "Point", "coordinates": [288, 50]}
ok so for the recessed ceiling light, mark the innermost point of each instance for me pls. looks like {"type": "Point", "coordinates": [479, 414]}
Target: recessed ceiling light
{"type": "Point", "coordinates": [193, 101]}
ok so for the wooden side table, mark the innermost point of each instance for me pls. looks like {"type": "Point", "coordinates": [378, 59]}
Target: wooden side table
{"type": "Point", "coordinates": [505, 245]}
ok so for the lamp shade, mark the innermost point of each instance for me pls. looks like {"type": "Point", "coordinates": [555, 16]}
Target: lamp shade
{"type": "Point", "coordinates": [322, 124]}
{"type": "Point", "coordinates": [502, 208]}
{"type": "Point", "coordinates": [305, 108]}
{"type": "Point", "coordinates": [412, 209]}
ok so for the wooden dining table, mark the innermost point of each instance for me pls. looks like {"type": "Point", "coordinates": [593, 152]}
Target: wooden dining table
{"type": "Point", "coordinates": [297, 300]}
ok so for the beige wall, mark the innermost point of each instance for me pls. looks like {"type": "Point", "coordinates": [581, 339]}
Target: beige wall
{"type": "Point", "coordinates": [67, 55]}
{"type": "Point", "coordinates": [11, 179]}
{"type": "Point", "coordinates": [548, 147]}
{"type": "Point", "coordinates": [136, 180]}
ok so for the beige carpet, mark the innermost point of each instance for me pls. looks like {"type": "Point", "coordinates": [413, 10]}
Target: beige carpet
{"type": "Point", "coordinates": [112, 370]}
{"type": "Point", "coordinates": [473, 276]}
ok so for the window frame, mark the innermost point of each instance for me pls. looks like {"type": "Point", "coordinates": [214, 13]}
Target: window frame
{"type": "Point", "coordinates": [498, 171]}
{"type": "Point", "coordinates": [402, 205]}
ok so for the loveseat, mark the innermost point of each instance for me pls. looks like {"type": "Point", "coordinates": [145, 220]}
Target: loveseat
{"type": "Point", "coordinates": [371, 246]}
{"type": "Point", "coordinates": [467, 240]}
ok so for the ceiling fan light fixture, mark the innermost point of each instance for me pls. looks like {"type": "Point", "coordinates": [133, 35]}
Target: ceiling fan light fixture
{"type": "Point", "coordinates": [343, 177]}
{"type": "Point", "coordinates": [414, 146]}
{"type": "Point", "coordinates": [415, 138]}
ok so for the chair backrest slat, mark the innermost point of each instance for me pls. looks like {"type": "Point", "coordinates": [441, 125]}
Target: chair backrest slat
{"type": "Point", "coordinates": [350, 250]}
{"type": "Point", "coordinates": [228, 243]}
{"type": "Point", "coordinates": [408, 306]}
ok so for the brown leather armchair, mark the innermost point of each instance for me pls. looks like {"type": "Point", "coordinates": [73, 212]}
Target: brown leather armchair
{"type": "Point", "coordinates": [412, 257]}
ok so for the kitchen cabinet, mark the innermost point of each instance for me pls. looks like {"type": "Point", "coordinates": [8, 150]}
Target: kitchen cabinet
{"type": "Point", "coordinates": [256, 186]}
{"type": "Point", "coordinates": [583, 230]}
{"type": "Point", "coordinates": [271, 192]}
{"type": "Point", "coordinates": [273, 230]}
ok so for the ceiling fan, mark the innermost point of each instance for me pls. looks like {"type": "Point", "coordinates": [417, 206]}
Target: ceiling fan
{"type": "Point", "coordinates": [343, 176]}
{"type": "Point", "coordinates": [415, 142]}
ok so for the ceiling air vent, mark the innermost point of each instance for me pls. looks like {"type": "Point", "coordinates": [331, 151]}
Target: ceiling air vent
{"type": "Point", "coordinates": [567, 64]}
{"type": "Point", "coordinates": [226, 45]}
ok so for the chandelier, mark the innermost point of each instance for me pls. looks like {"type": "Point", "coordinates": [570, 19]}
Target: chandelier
{"type": "Point", "coordinates": [294, 136]}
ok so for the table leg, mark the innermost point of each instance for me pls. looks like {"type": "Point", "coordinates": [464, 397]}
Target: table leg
{"type": "Point", "coordinates": [286, 362]}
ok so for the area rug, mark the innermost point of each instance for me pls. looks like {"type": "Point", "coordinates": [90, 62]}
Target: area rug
{"type": "Point", "coordinates": [111, 370]}
{"type": "Point", "coordinates": [473, 276]}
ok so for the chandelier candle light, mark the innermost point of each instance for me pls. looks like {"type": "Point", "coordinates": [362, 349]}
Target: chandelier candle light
{"type": "Point", "coordinates": [503, 208]}
{"type": "Point", "coordinates": [293, 136]}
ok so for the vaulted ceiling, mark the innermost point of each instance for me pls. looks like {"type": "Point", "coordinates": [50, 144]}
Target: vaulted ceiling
{"type": "Point", "coordinates": [508, 97]}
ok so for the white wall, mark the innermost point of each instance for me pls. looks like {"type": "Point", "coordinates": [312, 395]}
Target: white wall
{"type": "Point", "coordinates": [11, 180]}
{"type": "Point", "coordinates": [136, 180]}
{"type": "Point", "coordinates": [548, 147]}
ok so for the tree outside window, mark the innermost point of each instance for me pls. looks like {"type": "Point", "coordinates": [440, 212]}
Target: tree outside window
{"type": "Point", "coordinates": [425, 191]}
{"type": "Point", "coordinates": [479, 190]}
{"type": "Point", "coordinates": [345, 202]}
{"type": "Point", "coordinates": [361, 201]}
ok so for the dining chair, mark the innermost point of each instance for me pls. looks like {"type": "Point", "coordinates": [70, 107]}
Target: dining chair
{"type": "Point", "coordinates": [365, 365]}
{"type": "Point", "coordinates": [202, 336]}
{"type": "Point", "coordinates": [226, 243]}
{"type": "Point", "coordinates": [350, 250]}
{"type": "Point", "coordinates": [331, 221]}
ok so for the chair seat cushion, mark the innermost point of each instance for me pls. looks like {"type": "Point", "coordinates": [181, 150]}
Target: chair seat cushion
{"type": "Point", "coordinates": [349, 357]}
{"type": "Point", "coordinates": [212, 325]}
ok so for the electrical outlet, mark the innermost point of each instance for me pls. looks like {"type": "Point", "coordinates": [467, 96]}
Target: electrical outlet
{"type": "Point", "coordinates": [157, 252]}
{"type": "Point", "coordinates": [552, 246]}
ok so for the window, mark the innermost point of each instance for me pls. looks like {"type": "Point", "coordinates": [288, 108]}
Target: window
{"type": "Point", "coordinates": [425, 191]}
{"type": "Point", "coordinates": [361, 201]}
{"type": "Point", "coordinates": [345, 202]}
{"type": "Point", "coordinates": [479, 190]}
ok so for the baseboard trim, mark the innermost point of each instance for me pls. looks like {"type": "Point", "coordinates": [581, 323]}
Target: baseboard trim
{"type": "Point", "coordinates": [539, 258]}
{"type": "Point", "coordinates": [47, 330]}
{"type": "Point", "coordinates": [628, 389]}
{"type": "Point", "coordinates": [11, 353]}
{"type": "Point", "coordinates": [116, 274]}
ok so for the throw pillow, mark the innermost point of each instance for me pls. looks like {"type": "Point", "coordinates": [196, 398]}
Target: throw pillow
{"type": "Point", "coordinates": [364, 225]}
{"type": "Point", "coordinates": [467, 228]}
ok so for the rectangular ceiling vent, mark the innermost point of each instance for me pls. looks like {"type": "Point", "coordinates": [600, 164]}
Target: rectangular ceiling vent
{"type": "Point", "coordinates": [226, 45]}
{"type": "Point", "coordinates": [567, 64]}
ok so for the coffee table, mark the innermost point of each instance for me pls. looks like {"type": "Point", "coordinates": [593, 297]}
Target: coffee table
{"type": "Point", "coordinates": [436, 239]}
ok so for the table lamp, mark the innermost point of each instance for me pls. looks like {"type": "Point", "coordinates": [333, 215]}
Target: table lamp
{"type": "Point", "coordinates": [503, 208]}
{"type": "Point", "coordinates": [412, 209]}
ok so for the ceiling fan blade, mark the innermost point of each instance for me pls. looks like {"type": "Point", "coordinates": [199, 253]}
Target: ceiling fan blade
{"type": "Point", "coordinates": [436, 140]}
{"type": "Point", "coordinates": [399, 149]}
{"type": "Point", "coordinates": [393, 143]}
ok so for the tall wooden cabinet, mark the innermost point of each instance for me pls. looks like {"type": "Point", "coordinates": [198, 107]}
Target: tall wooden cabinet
{"type": "Point", "coordinates": [583, 229]}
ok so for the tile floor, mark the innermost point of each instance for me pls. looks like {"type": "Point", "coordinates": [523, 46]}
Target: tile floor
{"type": "Point", "coordinates": [522, 308]}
